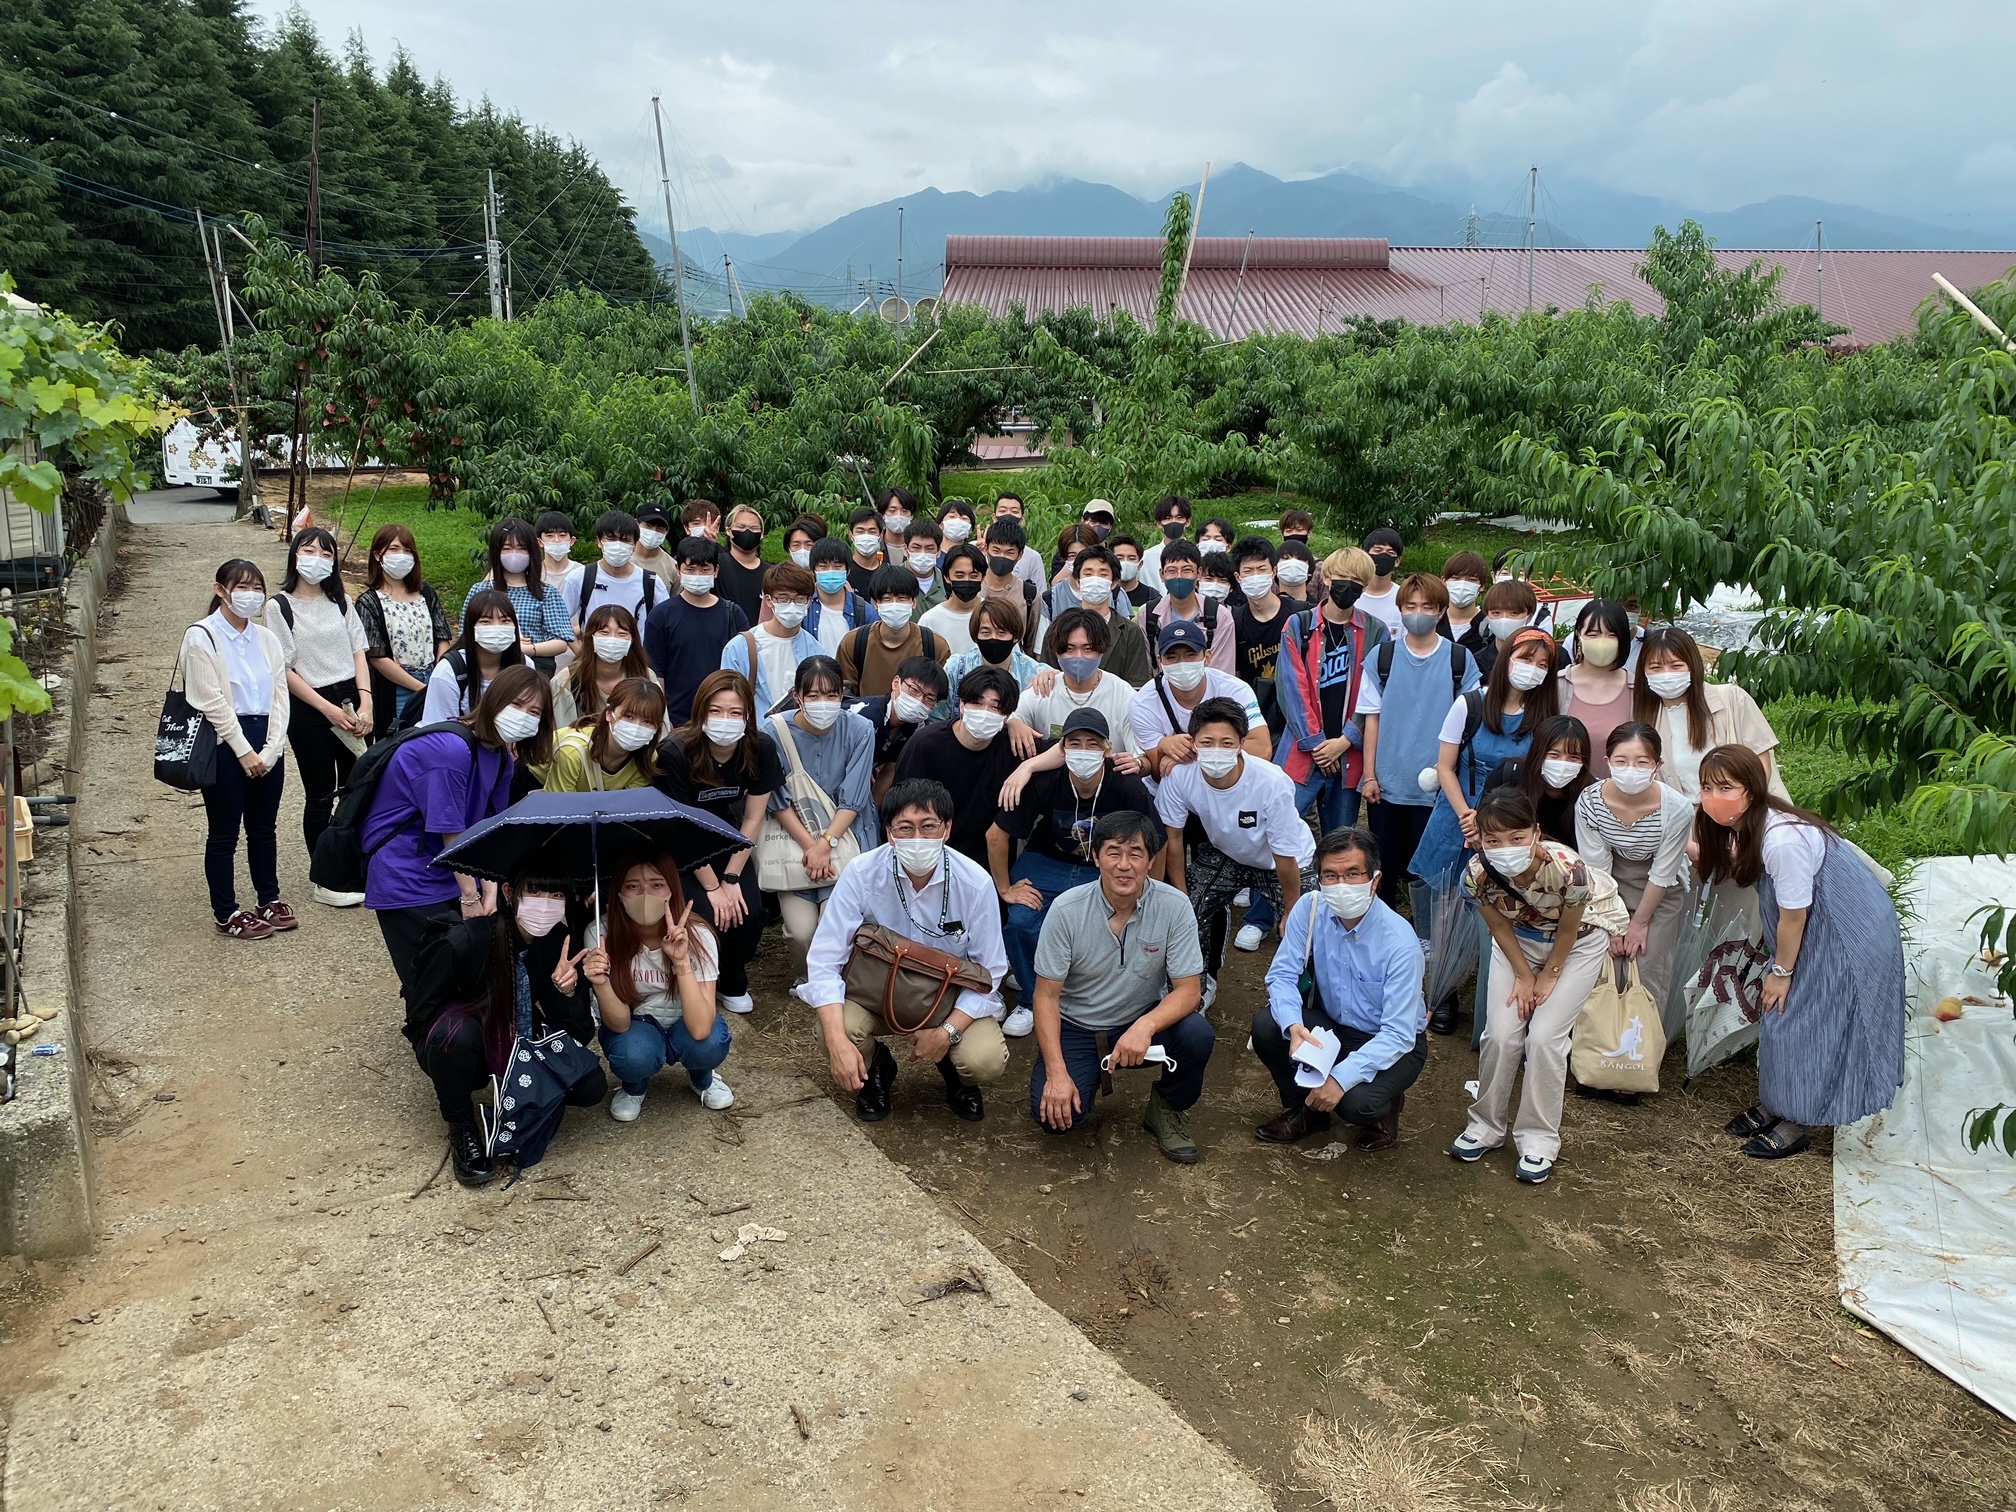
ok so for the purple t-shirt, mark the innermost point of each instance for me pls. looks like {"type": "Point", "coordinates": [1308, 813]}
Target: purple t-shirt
{"type": "Point", "coordinates": [434, 785]}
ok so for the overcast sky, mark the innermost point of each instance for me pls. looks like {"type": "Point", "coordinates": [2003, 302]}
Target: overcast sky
{"type": "Point", "coordinates": [788, 113]}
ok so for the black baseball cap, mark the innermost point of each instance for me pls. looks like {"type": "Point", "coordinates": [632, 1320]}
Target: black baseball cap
{"type": "Point", "coordinates": [1089, 720]}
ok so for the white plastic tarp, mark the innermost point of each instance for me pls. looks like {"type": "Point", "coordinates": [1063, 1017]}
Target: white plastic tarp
{"type": "Point", "coordinates": [1924, 1228]}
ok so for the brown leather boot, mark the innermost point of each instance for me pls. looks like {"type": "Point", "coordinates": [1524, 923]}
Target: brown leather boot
{"type": "Point", "coordinates": [1293, 1125]}
{"type": "Point", "coordinates": [1387, 1134]}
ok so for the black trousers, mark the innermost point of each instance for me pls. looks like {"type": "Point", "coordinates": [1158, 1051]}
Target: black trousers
{"type": "Point", "coordinates": [1398, 827]}
{"type": "Point", "coordinates": [740, 944]}
{"type": "Point", "coordinates": [1364, 1104]}
{"type": "Point", "coordinates": [452, 1055]}
{"type": "Point", "coordinates": [321, 761]}
{"type": "Point", "coordinates": [404, 929]}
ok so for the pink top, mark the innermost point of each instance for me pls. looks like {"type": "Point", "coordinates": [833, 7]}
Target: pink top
{"type": "Point", "coordinates": [1599, 719]}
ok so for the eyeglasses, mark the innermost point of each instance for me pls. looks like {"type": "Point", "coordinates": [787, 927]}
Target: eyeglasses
{"type": "Point", "coordinates": [918, 829]}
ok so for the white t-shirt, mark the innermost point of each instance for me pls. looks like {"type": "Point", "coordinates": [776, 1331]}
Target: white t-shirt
{"type": "Point", "coordinates": [1112, 696]}
{"type": "Point", "coordinates": [778, 657]}
{"type": "Point", "coordinates": [656, 987]}
{"type": "Point", "coordinates": [1452, 722]}
{"type": "Point", "coordinates": [569, 584]}
{"type": "Point", "coordinates": [1252, 821]}
{"type": "Point", "coordinates": [1150, 721]}
{"type": "Point", "coordinates": [444, 693]}
{"type": "Point", "coordinates": [626, 592]}
{"type": "Point", "coordinates": [1384, 607]}
{"type": "Point", "coordinates": [833, 628]}
{"type": "Point", "coordinates": [1793, 853]}
{"type": "Point", "coordinates": [951, 622]}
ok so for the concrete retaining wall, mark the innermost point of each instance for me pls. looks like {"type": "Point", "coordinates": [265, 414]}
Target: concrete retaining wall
{"type": "Point", "coordinates": [47, 1199]}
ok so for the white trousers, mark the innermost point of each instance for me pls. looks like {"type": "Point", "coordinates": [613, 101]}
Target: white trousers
{"type": "Point", "coordinates": [1543, 1040]}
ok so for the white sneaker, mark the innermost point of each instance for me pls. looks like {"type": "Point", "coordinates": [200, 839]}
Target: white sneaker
{"type": "Point", "coordinates": [1243, 898]}
{"type": "Point", "coordinates": [1018, 1023]}
{"type": "Point", "coordinates": [338, 899]}
{"type": "Point", "coordinates": [714, 1096]}
{"type": "Point", "coordinates": [1467, 1147]}
{"type": "Point", "coordinates": [1249, 937]}
{"type": "Point", "coordinates": [738, 1002]}
{"type": "Point", "coordinates": [625, 1106]}
{"type": "Point", "coordinates": [1533, 1170]}
{"type": "Point", "coordinates": [1210, 991]}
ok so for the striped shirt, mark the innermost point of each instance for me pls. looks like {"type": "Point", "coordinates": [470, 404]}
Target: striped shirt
{"type": "Point", "coordinates": [1660, 837]}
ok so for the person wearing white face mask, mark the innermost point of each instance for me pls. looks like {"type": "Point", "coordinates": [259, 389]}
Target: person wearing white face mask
{"type": "Point", "coordinates": [1365, 963]}
{"type": "Point", "coordinates": [1551, 919]}
{"type": "Point", "coordinates": [770, 655]}
{"type": "Point", "coordinates": [1465, 575]}
{"type": "Point", "coordinates": [971, 756]}
{"type": "Point", "coordinates": [1253, 836]}
{"type": "Point", "coordinates": [826, 807]}
{"type": "Point", "coordinates": [1160, 713]}
{"type": "Point", "coordinates": [923, 544]}
{"type": "Point", "coordinates": [1553, 774]}
{"type": "Point", "coordinates": [617, 576]}
{"type": "Point", "coordinates": [1636, 828]}
{"type": "Point", "coordinates": [870, 654]}
{"type": "Point", "coordinates": [612, 653]}
{"type": "Point", "coordinates": [1694, 715]}
{"type": "Point", "coordinates": [489, 643]}
{"type": "Point", "coordinates": [655, 526]}
{"type": "Point", "coordinates": [919, 889]}
{"type": "Point", "coordinates": [405, 629]}
{"type": "Point", "coordinates": [328, 682]}
{"type": "Point", "coordinates": [612, 750]}
{"type": "Point", "coordinates": [559, 571]}
{"type": "Point", "coordinates": [544, 621]}
{"type": "Point", "coordinates": [235, 675]}
{"type": "Point", "coordinates": [686, 634]}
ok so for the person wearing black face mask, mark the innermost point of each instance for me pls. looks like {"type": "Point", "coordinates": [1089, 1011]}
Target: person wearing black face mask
{"type": "Point", "coordinates": [1172, 518]}
{"type": "Point", "coordinates": [740, 579]}
{"type": "Point", "coordinates": [1381, 599]}
{"type": "Point", "coordinates": [1317, 677]}
{"type": "Point", "coordinates": [960, 575]}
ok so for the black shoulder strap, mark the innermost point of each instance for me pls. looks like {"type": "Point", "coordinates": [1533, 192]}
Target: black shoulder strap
{"type": "Point", "coordinates": [1162, 692]}
{"type": "Point", "coordinates": [286, 609]}
{"type": "Point", "coordinates": [589, 578]}
{"type": "Point", "coordinates": [930, 641]}
{"type": "Point", "coordinates": [1459, 663]}
{"type": "Point", "coordinates": [857, 646]}
{"type": "Point", "coordinates": [1385, 662]}
{"type": "Point", "coordinates": [1473, 715]}
{"type": "Point", "coordinates": [650, 590]}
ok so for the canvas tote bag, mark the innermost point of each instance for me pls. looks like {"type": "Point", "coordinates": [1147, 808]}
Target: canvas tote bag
{"type": "Point", "coordinates": [1619, 1038]}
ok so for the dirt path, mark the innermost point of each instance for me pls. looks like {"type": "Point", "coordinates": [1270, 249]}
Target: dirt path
{"type": "Point", "coordinates": [289, 1310]}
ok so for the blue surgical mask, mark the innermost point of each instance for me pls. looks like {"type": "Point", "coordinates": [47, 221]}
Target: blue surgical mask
{"type": "Point", "coordinates": [1079, 668]}
{"type": "Point", "coordinates": [831, 581]}
{"type": "Point", "coordinates": [1179, 587]}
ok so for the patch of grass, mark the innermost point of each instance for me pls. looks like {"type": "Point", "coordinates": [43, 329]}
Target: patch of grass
{"type": "Point", "coordinates": [1368, 1467]}
{"type": "Point", "coordinates": [451, 541]}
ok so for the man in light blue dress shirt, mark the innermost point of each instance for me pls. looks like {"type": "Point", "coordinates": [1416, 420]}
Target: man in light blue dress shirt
{"type": "Point", "coordinates": [1367, 967]}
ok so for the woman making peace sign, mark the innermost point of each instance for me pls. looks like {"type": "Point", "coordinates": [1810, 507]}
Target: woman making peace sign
{"type": "Point", "coordinates": [653, 969]}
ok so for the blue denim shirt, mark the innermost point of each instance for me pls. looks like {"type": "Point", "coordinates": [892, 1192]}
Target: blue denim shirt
{"type": "Point", "coordinates": [1368, 976]}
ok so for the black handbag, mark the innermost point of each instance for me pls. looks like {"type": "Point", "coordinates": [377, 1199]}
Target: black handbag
{"type": "Point", "coordinates": [185, 742]}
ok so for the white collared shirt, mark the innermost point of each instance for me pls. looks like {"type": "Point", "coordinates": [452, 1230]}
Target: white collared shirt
{"type": "Point", "coordinates": [244, 664]}
{"type": "Point", "coordinates": [867, 894]}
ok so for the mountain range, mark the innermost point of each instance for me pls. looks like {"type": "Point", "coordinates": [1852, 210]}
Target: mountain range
{"type": "Point", "coordinates": [847, 259]}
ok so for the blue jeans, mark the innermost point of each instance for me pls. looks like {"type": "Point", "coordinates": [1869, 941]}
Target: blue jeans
{"type": "Point", "coordinates": [641, 1051]}
{"type": "Point", "coordinates": [1337, 808]}
{"type": "Point", "coordinates": [1189, 1041]}
{"type": "Point", "coordinates": [1052, 878]}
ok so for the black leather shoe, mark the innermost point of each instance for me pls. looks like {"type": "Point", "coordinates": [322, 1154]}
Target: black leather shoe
{"type": "Point", "coordinates": [1294, 1124]}
{"type": "Point", "coordinates": [871, 1103]}
{"type": "Point", "coordinates": [473, 1165]}
{"type": "Point", "coordinates": [964, 1101]}
{"type": "Point", "coordinates": [1386, 1133]}
{"type": "Point", "coordinates": [1442, 1018]}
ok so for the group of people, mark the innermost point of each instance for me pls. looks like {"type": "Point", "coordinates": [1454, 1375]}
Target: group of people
{"type": "Point", "coordinates": [1063, 777]}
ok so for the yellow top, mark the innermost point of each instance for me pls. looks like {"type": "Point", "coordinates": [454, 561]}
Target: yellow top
{"type": "Point", "coordinates": [574, 770]}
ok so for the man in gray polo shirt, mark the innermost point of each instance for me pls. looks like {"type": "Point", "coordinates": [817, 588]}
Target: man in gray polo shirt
{"type": "Point", "coordinates": [1119, 961]}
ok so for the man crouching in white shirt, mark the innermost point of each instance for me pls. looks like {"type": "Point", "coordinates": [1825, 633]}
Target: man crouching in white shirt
{"type": "Point", "coordinates": [916, 887]}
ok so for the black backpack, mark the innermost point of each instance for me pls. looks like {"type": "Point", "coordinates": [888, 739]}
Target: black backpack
{"type": "Point", "coordinates": [340, 862]}
{"type": "Point", "coordinates": [590, 576]}
{"type": "Point", "coordinates": [1459, 663]}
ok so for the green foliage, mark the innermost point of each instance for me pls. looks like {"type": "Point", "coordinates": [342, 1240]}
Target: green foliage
{"type": "Point", "coordinates": [1981, 1131]}
{"type": "Point", "coordinates": [452, 542]}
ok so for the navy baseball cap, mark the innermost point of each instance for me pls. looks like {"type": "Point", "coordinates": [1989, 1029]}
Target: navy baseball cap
{"type": "Point", "coordinates": [1089, 720]}
{"type": "Point", "coordinates": [1183, 633]}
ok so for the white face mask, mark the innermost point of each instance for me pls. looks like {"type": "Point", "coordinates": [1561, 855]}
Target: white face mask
{"type": "Point", "coordinates": [651, 539]}
{"type": "Point", "coordinates": [956, 527]}
{"type": "Point", "coordinates": [895, 613]}
{"type": "Point", "coordinates": [1184, 674]}
{"type": "Point", "coordinates": [1669, 684]}
{"type": "Point", "coordinates": [1211, 548]}
{"type": "Point", "coordinates": [1462, 592]}
{"type": "Point", "coordinates": [1292, 572]}
{"type": "Point", "coordinates": [700, 532]}
{"type": "Point", "coordinates": [1505, 626]}
{"type": "Point", "coordinates": [248, 601]}
{"type": "Point", "coordinates": [1216, 761]}
{"type": "Point", "coordinates": [725, 729]}
{"type": "Point", "coordinates": [557, 550]}
{"type": "Point", "coordinates": [982, 724]}
{"type": "Point", "coordinates": [1632, 779]}
{"type": "Point", "coordinates": [922, 563]}
{"type": "Point", "coordinates": [1214, 591]}
{"type": "Point", "coordinates": [1557, 773]}
{"type": "Point", "coordinates": [918, 857]}
{"type": "Point", "coordinates": [1348, 900]}
{"type": "Point", "coordinates": [496, 637]}
{"type": "Point", "coordinates": [1130, 572]}
{"type": "Point", "coordinates": [1509, 860]}
{"type": "Point", "coordinates": [790, 616]}
{"type": "Point", "coordinates": [634, 734]}
{"type": "Point", "coordinates": [1084, 763]}
{"type": "Point", "coordinates": [612, 648]}
{"type": "Point", "coordinates": [396, 564]}
{"type": "Point", "coordinates": [314, 569]}
{"type": "Point", "coordinates": [617, 554]}
{"type": "Point", "coordinates": [515, 724]}
{"type": "Point", "coordinates": [699, 584]}
{"type": "Point", "coordinates": [1525, 676]}
{"type": "Point", "coordinates": [896, 524]}
{"type": "Point", "coordinates": [910, 709]}
{"type": "Point", "coordinates": [867, 544]}
{"type": "Point", "coordinates": [514, 561]}
{"type": "Point", "coordinates": [803, 557]}
{"type": "Point", "coordinates": [820, 712]}
{"type": "Point", "coordinates": [1257, 584]}
{"type": "Point", "coordinates": [1096, 590]}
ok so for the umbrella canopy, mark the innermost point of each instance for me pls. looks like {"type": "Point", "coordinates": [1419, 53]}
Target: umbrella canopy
{"type": "Point", "coordinates": [570, 837]}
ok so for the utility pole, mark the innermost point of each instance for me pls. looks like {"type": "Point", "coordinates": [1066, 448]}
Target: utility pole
{"type": "Point", "coordinates": [220, 297]}
{"type": "Point", "coordinates": [507, 284]}
{"type": "Point", "coordinates": [1239, 283]}
{"type": "Point", "coordinates": [1470, 228]}
{"type": "Point", "coordinates": [493, 259]}
{"type": "Point", "coordinates": [1820, 267]}
{"type": "Point", "coordinates": [297, 463]}
{"type": "Point", "coordinates": [734, 286]}
{"type": "Point", "coordinates": [1532, 227]}
{"type": "Point", "coordinates": [678, 266]}
{"type": "Point", "coordinates": [1190, 246]}
{"type": "Point", "coordinates": [899, 253]}
{"type": "Point", "coordinates": [248, 478]}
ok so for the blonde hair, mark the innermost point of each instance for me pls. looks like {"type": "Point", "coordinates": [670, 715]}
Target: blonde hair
{"type": "Point", "coordinates": [1348, 562]}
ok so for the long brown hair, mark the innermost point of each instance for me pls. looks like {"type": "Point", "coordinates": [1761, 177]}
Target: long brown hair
{"type": "Point", "coordinates": [623, 937]}
{"type": "Point", "coordinates": [643, 700]}
{"type": "Point", "coordinates": [1736, 852]}
{"type": "Point", "coordinates": [391, 534]}
{"type": "Point", "coordinates": [1671, 640]}
{"type": "Point", "coordinates": [581, 677]}
{"type": "Point", "coordinates": [506, 688]}
{"type": "Point", "coordinates": [1541, 704]}
{"type": "Point", "coordinates": [692, 735]}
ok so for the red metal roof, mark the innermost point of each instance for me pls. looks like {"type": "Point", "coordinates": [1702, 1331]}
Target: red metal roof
{"type": "Point", "coordinates": [1308, 285]}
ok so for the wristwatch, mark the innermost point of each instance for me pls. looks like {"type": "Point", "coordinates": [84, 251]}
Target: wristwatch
{"type": "Point", "coordinates": [1779, 971]}
{"type": "Point", "coordinates": [953, 1034]}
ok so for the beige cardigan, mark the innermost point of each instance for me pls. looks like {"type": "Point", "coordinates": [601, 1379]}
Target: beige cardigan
{"type": "Point", "coordinates": [208, 683]}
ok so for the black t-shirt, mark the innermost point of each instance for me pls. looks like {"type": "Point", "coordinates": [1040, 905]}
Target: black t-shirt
{"type": "Point", "coordinates": [1054, 821]}
{"type": "Point", "coordinates": [1337, 642]}
{"type": "Point", "coordinates": [973, 778]}
{"type": "Point", "coordinates": [733, 781]}
{"type": "Point", "coordinates": [741, 586]}
{"type": "Point", "coordinates": [858, 576]}
{"type": "Point", "coordinates": [1140, 595]}
{"type": "Point", "coordinates": [1259, 647]}
{"type": "Point", "coordinates": [1556, 814]}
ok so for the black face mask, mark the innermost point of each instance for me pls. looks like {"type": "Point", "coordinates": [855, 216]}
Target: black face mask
{"type": "Point", "coordinates": [1383, 563]}
{"type": "Point", "coordinates": [1001, 566]}
{"type": "Point", "coordinates": [995, 652]}
{"type": "Point", "coordinates": [965, 591]}
{"type": "Point", "coordinates": [746, 540]}
{"type": "Point", "coordinates": [1173, 529]}
{"type": "Point", "coordinates": [1344, 592]}
{"type": "Point", "coordinates": [1100, 528]}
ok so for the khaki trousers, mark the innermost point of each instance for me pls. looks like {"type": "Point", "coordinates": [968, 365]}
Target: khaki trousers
{"type": "Point", "coordinates": [1543, 1040]}
{"type": "Point", "coordinates": [980, 1056]}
